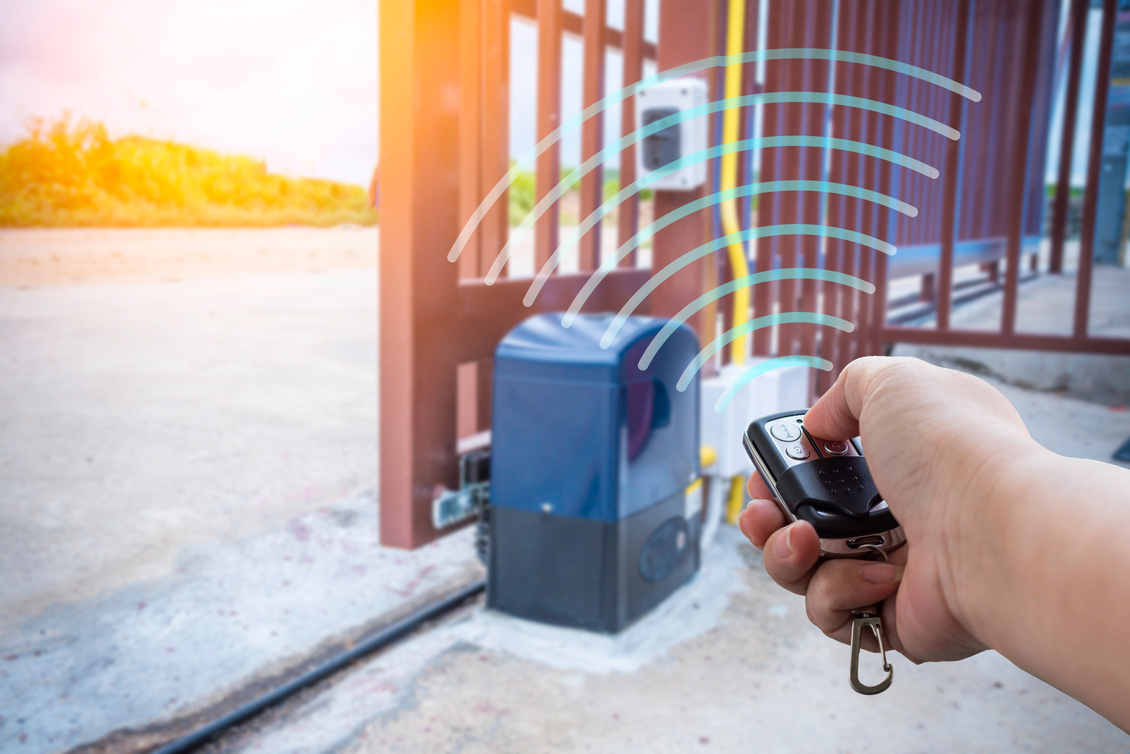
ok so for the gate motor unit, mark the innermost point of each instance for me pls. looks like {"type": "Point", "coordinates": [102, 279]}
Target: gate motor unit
{"type": "Point", "coordinates": [592, 524]}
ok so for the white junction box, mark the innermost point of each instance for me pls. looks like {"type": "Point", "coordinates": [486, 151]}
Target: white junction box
{"type": "Point", "coordinates": [680, 139]}
{"type": "Point", "coordinates": [782, 389]}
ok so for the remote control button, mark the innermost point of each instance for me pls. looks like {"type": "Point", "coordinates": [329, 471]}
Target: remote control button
{"type": "Point", "coordinates": [797, 452]}
{"type": "Point", "coordinates": [785, 432]}
{"type": "Point", "coordinates": [836, 447]}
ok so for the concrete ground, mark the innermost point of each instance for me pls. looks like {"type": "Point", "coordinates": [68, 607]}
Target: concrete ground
{"type": "Point", "coordinates": [188, 513]}
{"type": "Point", "coordinates": [188, 474]}
{"type": "Point", "coordinates": [729, 664]}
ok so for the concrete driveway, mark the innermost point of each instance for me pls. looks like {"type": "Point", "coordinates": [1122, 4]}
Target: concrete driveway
{"type": "Point", "coordinates": [188, 512]}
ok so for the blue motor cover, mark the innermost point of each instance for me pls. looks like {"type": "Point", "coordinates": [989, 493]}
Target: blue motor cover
{"type": "Point", "coordinates": [579, 430]}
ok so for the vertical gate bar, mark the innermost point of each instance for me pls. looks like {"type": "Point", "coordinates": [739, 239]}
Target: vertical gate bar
{"type": "Point", "coordinates": [496, 128]}
{"type": "Point", "coordinates": [419, 147]}
{"type": "Point", "coordinates": [915, 140]}
{"type": "Point", "coordinates": [869, 134]}
{"type": "Point", "coordinates": [768, 205]}
{"type": "Point", "coordinates": [862, 25]}
{"type": "Point", "coordinates": [629, 210]}
{"type": "Point", "coordinates": [1078, 30]}
{"type": "Point", "coordinates": [1012, 156]}
{"type": "Point", "coordinates": [549, 118]}
{"type": "Point", "coordinates": [471, 129]}
{"type": "Point", "coordinates": [996, 93]}
{"type": "Point", "coordinates": [888, 86]}
{"type": "Point", "coordinates": [858, 126]}
{"type": "Point", "coordinates": [722, 265]}
{"type": "Point", "coordinates": [968, 143]}
{"type": "Point", "coordinates": [1036, 203]}
{"type": "Point", "coordinates": [1024, 104]}
{"type": "Point", "coordinates": [792, 79]}
{"type": "Point", "coordinates": [1094, 167]}
{"type": "Point", "coordinates": [976, 126]}
{"type": "Point", "coordinates": [750, 88]}
{"type": "Point", "coordinates": [860, 301]}
{"type": "Point", "coordinates": [592, 132]}
{"type": "Point", "coordinates": [837, 301]}
{"type": "Point", "coordinates": [942, 60]}
{"type": "Point", "coordinates": [815, 78]}
{"type": "Point", "coordinates": [686, 34]}
{"type": "Point", "coordinates": [950, 173]}
{"type": "Point", "coordinates": [853, 307]}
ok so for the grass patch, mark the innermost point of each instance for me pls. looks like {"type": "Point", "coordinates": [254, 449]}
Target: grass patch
{"type": "Point", "coordinates": [1075, 192]}
{"type": "Point", "coordinates": [523, 193]}
{"type": "Point", "coordinates": [75, 175]}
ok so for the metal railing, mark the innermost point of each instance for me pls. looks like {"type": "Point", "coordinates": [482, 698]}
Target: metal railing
{"type": "Point", "coordinates": [445, 138]}
{"type": "Point", "coordinates": [445, 99]}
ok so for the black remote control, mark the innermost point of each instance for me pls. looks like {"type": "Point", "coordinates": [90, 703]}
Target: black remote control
{"type": "Point", "coordinates": [823, 482]}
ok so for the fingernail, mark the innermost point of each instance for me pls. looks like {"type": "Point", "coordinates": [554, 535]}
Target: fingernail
{"type": "Point", "coordinates": [741, 525]}
{"type": "Point", "coordinates": [881, 573]}
{"type": "Point", "coordinates": [784, 546]}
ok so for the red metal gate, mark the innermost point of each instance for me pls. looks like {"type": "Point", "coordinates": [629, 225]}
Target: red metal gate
{"type": "Point", "coordinates": [444, 144]}
{"type": "Point", "coordinates": [445, 101]}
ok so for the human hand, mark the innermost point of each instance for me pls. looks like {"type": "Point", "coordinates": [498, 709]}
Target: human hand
{"type": "Point", "coordinates": [936, 442]}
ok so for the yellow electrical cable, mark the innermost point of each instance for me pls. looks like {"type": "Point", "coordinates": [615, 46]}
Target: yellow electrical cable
{"type": "Point", "coordinates": [731, 126]}
{"type": "Point", "coordinates": [736, 503]}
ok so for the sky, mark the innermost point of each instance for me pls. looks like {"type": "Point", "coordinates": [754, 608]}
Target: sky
{"type": "Point", "coordinates": [291, 82]}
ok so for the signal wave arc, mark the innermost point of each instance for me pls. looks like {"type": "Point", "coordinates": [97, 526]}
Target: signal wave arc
{"type": "Point", "coordinates": [766, 142]}
{"type": "Point", "coordinates": [787, 273]}
{"type": "Point", "coordinates": [528, 160]}
{"type": "Point", "coordinates": [768, 366]}
{"type": "Point", "coordinates": [694, 112]}
{"type": "Point", "coordinates": [751, 234]}
{"type": "Point", "coordinates": [822, 231]}
{"type": "Point", "coordinates": [787, 318]}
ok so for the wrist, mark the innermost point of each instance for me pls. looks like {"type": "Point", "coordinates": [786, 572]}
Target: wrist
{"type": "Point", "coordinates": [997, 549]}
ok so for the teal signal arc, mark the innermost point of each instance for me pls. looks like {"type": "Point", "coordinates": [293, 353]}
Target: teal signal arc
{"type": "Point", "coordinates": [601, 212]}
{"type": "Point", "coordinates": [764, 368]}
{"type": "Point", "coordinates": [527, 161]}
{"type": "Point", "coordinates": [609, 264]}
{"type": "Point", "coordinates": [711, 107]}
{"type": "Point", "coordinates": [744, 236]}
{"type": "Point", "coordinates": [785, 318]}
{"type": "Point", "coordinates": [688, 311]}
{"type": "Point", "coordinates": [694, 112]}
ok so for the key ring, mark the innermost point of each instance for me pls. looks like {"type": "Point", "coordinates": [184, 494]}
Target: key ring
{"type": "Point", "coordinates": [876, 548]}
{"type": "Point", "coordinates": [871, 620]}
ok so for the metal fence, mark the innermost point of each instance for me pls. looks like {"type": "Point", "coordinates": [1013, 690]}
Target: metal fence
{"type": "Point", "coordinates": [444, 145]}
{"type": "Point", "coordinates": [445, 103]}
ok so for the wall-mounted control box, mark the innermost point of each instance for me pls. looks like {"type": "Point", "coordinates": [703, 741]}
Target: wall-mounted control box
{"type": "Point", "coordinates": [680, 138]}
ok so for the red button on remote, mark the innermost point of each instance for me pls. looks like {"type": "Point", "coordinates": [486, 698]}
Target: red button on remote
{"type": "Point", "coordinates": [836, 447]}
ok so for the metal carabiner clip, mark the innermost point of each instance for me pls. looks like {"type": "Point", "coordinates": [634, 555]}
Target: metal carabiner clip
{"type": "Point", "coordinates": [863, 618]}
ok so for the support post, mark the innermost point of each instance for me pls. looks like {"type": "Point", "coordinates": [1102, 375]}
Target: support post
{"type": "Point", "coordinates": [686, 34]}
{"type": "Point", "coordinates": [420, 137]}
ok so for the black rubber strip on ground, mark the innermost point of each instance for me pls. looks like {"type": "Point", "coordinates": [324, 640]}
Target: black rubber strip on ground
{"type": "Point", "coordinates": [381, 639]}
